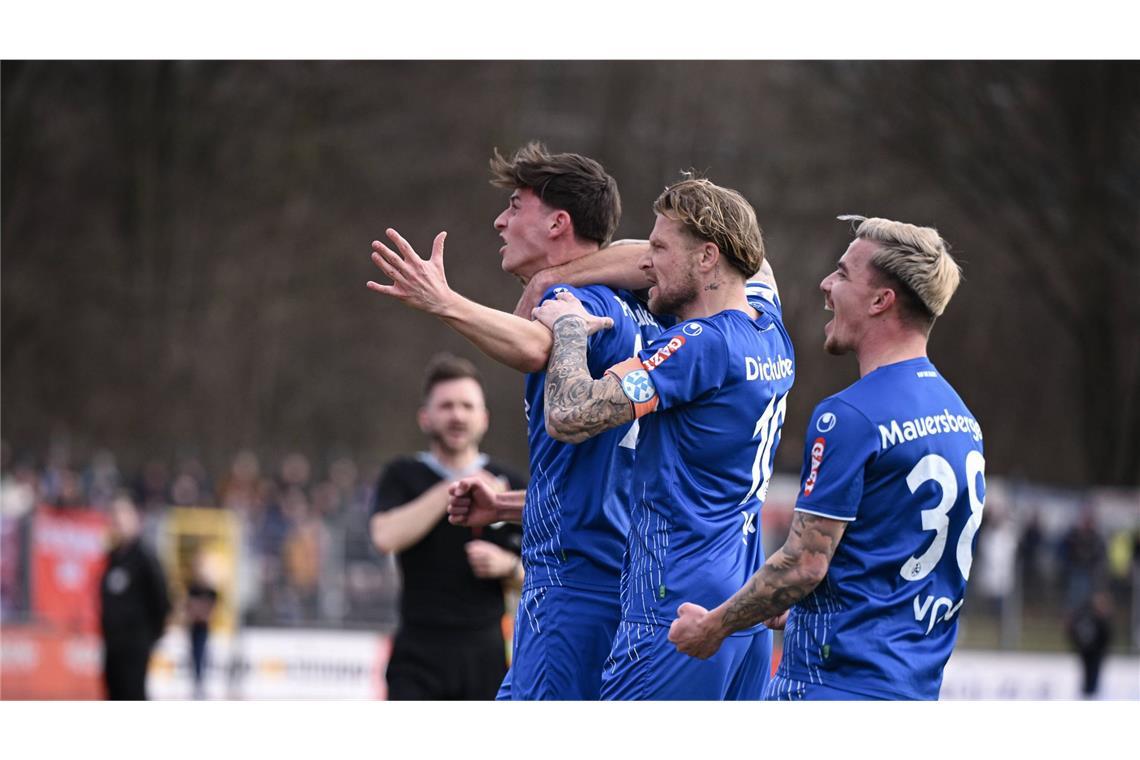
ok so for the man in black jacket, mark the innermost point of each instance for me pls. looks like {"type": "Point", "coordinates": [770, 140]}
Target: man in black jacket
{"type": "Point", "coordinates": [450, 642]}
{"type": "Point", "coordinates": [134, 605]}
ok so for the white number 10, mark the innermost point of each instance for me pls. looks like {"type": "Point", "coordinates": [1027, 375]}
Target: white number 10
{"type": "Point", "coordinates": [936, 468]}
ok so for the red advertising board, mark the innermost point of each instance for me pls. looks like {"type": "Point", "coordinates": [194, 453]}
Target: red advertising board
{"type": "Point", "coordinates": [41, 663]}
{"type": "Point", "coordinates": [68, 552]}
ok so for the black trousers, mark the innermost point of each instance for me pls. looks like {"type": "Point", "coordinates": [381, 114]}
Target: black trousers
{"type": "Point", "coordinates": [434, 663]}
{"type": "Point", "coordinates": [124, 670]}
{"type": "Point", "coordinates": [1090, 667]}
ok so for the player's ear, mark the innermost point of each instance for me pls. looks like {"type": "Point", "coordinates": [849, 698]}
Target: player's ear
{"type": "Point", "coordinates": [422, 419]}
{"type": "Point", "coordinates": [560, 224]}
{"type": "Point", "coordinates": [709, 256]}
{"type": "Point", "coordinates": [883, 300]}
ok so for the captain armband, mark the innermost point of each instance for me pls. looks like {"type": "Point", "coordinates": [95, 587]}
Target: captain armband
{"type": "Point", "coordinates": [636, 385]}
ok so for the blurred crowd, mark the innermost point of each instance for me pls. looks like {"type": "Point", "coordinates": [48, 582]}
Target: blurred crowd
{"type": "Point", "coordinates": [306, 559]}
{"type": "Point", "coordinates": [305, 556]}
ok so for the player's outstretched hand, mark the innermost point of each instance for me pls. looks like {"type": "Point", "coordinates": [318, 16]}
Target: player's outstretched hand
{"type": "Point", "coordinates": [694, 632]}
{"type": "Point", "coordinates": [415, 282]}
{"type": "Point", "coordinates": [471, 502]}
{"type": "Point", "coordinates": [490, 561]}
{"type": "Point", "coordinates": [553, 309]}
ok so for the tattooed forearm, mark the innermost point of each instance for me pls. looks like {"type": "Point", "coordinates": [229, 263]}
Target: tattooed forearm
{"type": "Point", "coordinates": [577, 406]}
{"type": "Point", "coordinates": [789, 575]}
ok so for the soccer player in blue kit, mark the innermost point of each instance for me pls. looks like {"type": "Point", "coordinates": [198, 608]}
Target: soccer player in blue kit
{"type": "Point", "coordinates": [575, 510]}
{"type": "Point", "coordinates": [710, 393]}
{"type": "Point", "coordinates": [874, 570]}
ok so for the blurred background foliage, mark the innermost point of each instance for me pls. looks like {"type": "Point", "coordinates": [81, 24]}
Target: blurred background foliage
{"type": "Point", "coordinates": [185, 244]}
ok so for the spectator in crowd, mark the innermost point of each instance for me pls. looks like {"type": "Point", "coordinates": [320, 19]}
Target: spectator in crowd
{"type": "Point", "coordinates": [101, 479]}
{"type": "Point", "coordinates": [449, 644]}
{"type": "Point", "coordinates": [192, 486]}
{"type": "Point", "coordinates": [134, 604]}
{"type": "Point", "coordinates": [239, 489]}
{"type": "Point", "coordinates": [150, 488]}
{"type": "Point", "coordinates": [1029, 556]}
{"type": "Point", "coordinates": [302, 556]}
{"type": "Point", "coordinates": [201, 598]}
{"type": "Point", "coordinates": [1083, 559]}
{"type": "Point", "coordinates": [68, 489]}
{"type": "Point", "coordinates": [997, 566]}
{"type": "Point", "coordinates": [1090, 632]}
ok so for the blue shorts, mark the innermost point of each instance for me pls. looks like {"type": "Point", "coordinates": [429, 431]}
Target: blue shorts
{"type": "Point", "coordinates": [644, 664]}
{"type": "Point", "coordinates": [562, 639]}
{"type": "Point", "coordinates": [783, 688]}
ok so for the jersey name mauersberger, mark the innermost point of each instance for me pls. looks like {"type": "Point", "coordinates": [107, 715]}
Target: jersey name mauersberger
{"type": "Point", "coordinates": [920, 427]}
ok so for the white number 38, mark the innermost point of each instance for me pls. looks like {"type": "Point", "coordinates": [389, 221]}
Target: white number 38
{"type": "Point", "coordinates": [936, 468]}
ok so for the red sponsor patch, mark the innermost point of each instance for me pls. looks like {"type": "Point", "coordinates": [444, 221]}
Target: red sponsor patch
{"type": "Point", "coordinates": [816, 459]}
{"type": "Point", "coordinates": [664, 353]}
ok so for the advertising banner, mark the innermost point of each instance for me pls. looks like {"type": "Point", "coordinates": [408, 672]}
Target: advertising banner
{"type": "Point", "coordinates": [263, 663]}
{"type": "Point", "coordinates": [980, 674]}
{"type": "Point", "coordinates": [41, 663]}
{"type": "Point", "coordinates": [68, 553]}
{"type": "Point", "coordinates": [203, 543]}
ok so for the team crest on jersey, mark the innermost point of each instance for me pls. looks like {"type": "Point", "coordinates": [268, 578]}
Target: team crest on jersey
{"type": "Point", "coordinates": [816, 459]}
{"type": "Point", "coordinates": [664, 353]}
{"type": "Point", "coordinates": [692, 328]}
{"type": "Point", "coordinates": [637, 386]}
{"type": "Point", "coordinates": [825, 422]}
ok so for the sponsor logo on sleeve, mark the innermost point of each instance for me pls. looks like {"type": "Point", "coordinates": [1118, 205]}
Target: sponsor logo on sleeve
{"type": "Point", "coordinates": [825, 422]}
{"type": "Point", "coordinates": [637, 386]}
{"type": "Point", "coordinates": [692, 328]}
{"type": "Point", "coordinates": [816, 458]}
{"type": "Point", "coordinates": [664, 353]}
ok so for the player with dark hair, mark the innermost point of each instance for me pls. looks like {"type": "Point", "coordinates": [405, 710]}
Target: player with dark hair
{"type": "Point", "coordinates": [562, 207]}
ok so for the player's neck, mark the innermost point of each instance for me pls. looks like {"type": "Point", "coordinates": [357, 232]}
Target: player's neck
{"type": "Point", "coordinates": [715, 296]}
{"type": "Point", "coordinates": [889, 347]}
{"type": "Point", "coordinates": [454, 460]}
{"type": "Point", "coordinates": [565, 250]}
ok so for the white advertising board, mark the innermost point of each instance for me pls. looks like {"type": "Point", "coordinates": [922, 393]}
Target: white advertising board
{"type": "Point", "coordinates": [264, 663]}
{"type": "Point", "coordinates": [977, 674]}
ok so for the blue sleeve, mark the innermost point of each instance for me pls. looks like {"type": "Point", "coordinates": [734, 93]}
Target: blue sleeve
{"type": "Point", "coordinates": [763, 298]}
{"type": "Point", "coordinates": [605, 347]}
{"type": "Point", "coordinates": [840, 441]}
{"type": "Point", "coordinates": [686, 363]}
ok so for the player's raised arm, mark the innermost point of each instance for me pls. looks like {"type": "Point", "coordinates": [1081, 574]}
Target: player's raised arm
{"type": "Point", "coordinates": [790, 574]}
{"type": "Point", "coordinates": [422, 284]}
{"type": "Point", "coordinates": [766, 276]}
{"type": "Point", "coordinates": [618, 266]}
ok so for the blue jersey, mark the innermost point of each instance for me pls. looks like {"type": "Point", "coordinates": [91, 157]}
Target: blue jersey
{"type": "Point", "coordinates": [577, 502]}
{"type": "Point", "coordinates": [704, 458]}
{"type": "Point", "coordinates": [898, 456]}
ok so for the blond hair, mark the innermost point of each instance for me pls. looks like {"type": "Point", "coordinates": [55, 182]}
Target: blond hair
{"type": "Point", "coordinates": [917, 257]}
{"type": "Point", "coordinates": [717, 215]}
